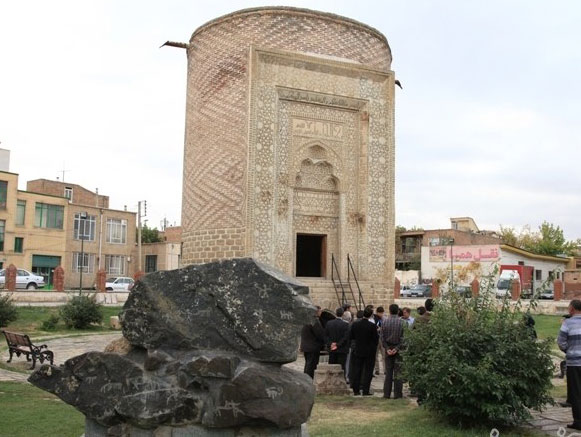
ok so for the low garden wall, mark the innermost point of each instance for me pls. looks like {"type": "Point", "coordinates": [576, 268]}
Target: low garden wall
{"type": "Point", "coordinates": [55, 298]}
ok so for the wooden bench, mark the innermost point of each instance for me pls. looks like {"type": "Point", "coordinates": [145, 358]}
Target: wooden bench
{"type": "Point", "coordinates": [20, 344]}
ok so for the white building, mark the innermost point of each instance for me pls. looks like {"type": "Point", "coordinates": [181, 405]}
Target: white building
{"type": "Point", "coordinates": [476, 261]}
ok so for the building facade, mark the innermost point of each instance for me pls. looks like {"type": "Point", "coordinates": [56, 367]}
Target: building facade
{"type": "Point", "coordinates": [33, 228]}
{"type": "Point", "coordinates": [469, 252]}
{"type": "Point", "coordinates": [97, 237]}
{"type": "Point", "coordinates": [289, 148]}
{"type": "Point", "coordinates": [164, 255]}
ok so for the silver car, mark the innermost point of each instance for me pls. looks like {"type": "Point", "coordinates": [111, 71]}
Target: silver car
{"type": "Point", "coordinates": [120, 283]}
{"type": "Point", "coordinates": [24, 280]}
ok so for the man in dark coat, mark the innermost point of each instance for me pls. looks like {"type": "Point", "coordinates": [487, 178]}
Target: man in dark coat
{"type": "Point", "coordinates": [312, 341]}
{"type": "Point", "coordinates": [364, 333]}
{"type": "Point", "coordinates": [391, 336]}
{"type": "Point", "coordinates": [337, 332]}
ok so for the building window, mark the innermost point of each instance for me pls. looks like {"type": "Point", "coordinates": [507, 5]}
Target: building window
{"type": "Point", "coordinates": [85, 262]}
{"type": "Point", "coordinates": [409, 245]}
{"type": "Point", "coordinates": [434, 241]}
{"type": "Point", "coordinates": [116, 231]}
{"type": "Point", "coordinates": [150, 263]}
{"type": "Point", "coordinates": [84, 228]}
{"type": "Point", "coordinates": [20, 212]}
{"type": "Point", "coordinates": [3, 194]}
{"type": "Point", "coordinates": [69, 193]}
{"type": "Point", "coordinates": [2, 228]}
{"type": "Point", "coordinates": [115, 264]}
{"type": "Point", "coordinates": [538, 275]}
{"type": "Point", "coordinates": [49, 216]}
{"type": "Point", "coordinates": [18, 244]}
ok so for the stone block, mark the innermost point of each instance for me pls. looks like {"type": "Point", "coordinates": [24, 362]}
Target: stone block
{"type": "Point", "coordinates": [114, 322]}
{"type": "Point", "coordinates": [330, 380]}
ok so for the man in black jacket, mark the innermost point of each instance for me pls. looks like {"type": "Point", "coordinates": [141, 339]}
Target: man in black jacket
{"type": "Point", "coordinates": [364, 333]}
{"type": "Point", "coordinates": [312, 341]}
{"type": "Point", "coordinates": [337, 332]}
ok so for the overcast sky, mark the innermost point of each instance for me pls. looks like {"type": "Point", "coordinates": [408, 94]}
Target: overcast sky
{"type": "Point", "coordinates": [488, 124]}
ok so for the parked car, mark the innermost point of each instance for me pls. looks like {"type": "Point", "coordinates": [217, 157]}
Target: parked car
{"type": "Point", "coordinates": [405, 292]}
{"type": "Point", "coordinates": [547, 294]}
{"type": "Point", "coordinates": [24, 280]}
{"type": "Point", "coordinates": [120, 283]}
{"type": "Point", "coordinates": [464, 290]}
{"type": "Point", "coordinates": [421, 290]}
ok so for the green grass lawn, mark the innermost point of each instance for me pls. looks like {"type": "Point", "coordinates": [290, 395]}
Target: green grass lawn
{"type": "Point", "coordinates": [30, 320]}
{"type": "Point", "coordinates": [344, 415]}
{"type": "Point", "coordinates": [547, 326]}
{"type": "Point", "coordinates": [26, 411]}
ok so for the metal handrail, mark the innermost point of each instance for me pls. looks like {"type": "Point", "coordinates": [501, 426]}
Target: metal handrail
{"type": "Point", "coordinates": [350, 287]}
{"type": "Point", "coordinates": [334, 268]}
{"type": "Point", "coordinates": [350, 268]}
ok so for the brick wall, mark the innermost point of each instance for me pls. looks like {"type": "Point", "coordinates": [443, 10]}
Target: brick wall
{"type": "Point", "coordinates": [214, 244]}
{"type": "Point", "coordinates": [572, 283]}
{"type": "Point", "coordinates": [173, 234]}
{"type": "Point", "coordinates": [81, 196]}
{"type": "Point", "coordinates": [461, 238]}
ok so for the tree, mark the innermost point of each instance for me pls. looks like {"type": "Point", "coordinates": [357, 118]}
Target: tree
{"type": "Point", "coordinates": [150, 235]}
{"type": "Point", "coordinates": [548, 240]}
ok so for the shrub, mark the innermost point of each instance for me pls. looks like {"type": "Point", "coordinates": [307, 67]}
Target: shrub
{"type": "Point", "coordinates": [476, 362]}
{"type": "Point", "coordinates": [51, 323]}
{"type": "Point", "coordinates": [80, 312]}
{"type": "Point", "coordinates": [8, 311]}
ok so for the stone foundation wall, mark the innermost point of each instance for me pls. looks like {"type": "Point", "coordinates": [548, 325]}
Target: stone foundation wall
{"type": "Point", "coordinates": [214, 244]}
{"type": "Point", "coordinates": [323, 293]}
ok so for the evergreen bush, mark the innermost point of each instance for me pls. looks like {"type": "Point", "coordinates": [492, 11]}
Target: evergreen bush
{"type": "Point", "coordinates": [80, 312]}
{"type": "Point", "coordinates": [8, 311]}
{"type": "Point", "coordinates": [51, 323]}
{"type": "Point", "coordinates": [477, 362]}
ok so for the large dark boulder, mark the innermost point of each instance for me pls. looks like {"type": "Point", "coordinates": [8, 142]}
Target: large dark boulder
{"type": "Point", "coordinates": [113, 389]}
{"type": "Point", "coordinates": [237, 305]}
{"type": "Point", "coordinates": [218, 391]}
{"type": "Point", "coordinates": [204, 347]}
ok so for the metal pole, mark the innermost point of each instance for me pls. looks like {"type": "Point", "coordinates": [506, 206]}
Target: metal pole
{"type": "Point", "coordinates": [451, 264]}
{"type": "Point", "coordinates": [139, 236]}
{"type": "Point", "coordinates": [82, 221]}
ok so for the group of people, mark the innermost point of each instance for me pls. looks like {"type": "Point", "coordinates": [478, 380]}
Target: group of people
{"type": "Point", "coordinates": [362, 345]}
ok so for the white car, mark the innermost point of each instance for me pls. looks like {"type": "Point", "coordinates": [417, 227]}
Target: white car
{"type": "Point", "coordinates": [120, 283]}
{"type": "Point", "coordinates": [24, 280]}
{"type": "Point", "coordinates": [405, 291]}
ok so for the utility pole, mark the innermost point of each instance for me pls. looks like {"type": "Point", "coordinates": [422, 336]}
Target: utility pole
{"type": "Point", "coordinates": [139, 236]}
{"type": "Point", "coordinates": [140, 266]}
{"type": "Point", "coordinates": [82, 221]}
{"type": "Point", "coordinates": [451, 241]}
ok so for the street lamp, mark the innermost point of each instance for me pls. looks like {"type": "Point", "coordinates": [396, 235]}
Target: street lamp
{"type": "Point", "coordinates": [83, 221]}
{"type": "Point", "coordinates": [451, 242]}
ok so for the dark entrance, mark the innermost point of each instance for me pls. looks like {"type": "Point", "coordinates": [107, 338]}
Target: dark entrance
{"type": "Point", "coordinates": [311, 255]}
{"type": "Point", "coordinates": [44, 266]}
